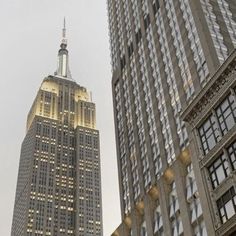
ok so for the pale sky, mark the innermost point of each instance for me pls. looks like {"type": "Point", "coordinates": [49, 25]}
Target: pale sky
{"type": "Point", "coordinates": [30, 34]}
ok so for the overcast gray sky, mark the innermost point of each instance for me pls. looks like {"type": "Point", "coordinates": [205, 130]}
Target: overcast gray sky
{"type": "Point", "coordinates": [30, 34]}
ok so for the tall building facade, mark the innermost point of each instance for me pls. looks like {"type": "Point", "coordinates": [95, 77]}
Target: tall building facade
{"type": "Point", "coordinates": [173, 64]}
{"type": "Point", "coordinates": [59, 182]}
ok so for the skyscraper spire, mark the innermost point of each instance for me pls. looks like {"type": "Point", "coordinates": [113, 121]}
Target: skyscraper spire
{"type": "Point", "coordinates": [64, 40]}
{"type": "Point", "coordinates": [63, 58]}
{"type": "Point", "coordinates": [56, 172]}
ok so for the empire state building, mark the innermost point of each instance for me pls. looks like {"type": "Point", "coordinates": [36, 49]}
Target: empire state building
{"type": "Point", "coordinates": [59, 182]}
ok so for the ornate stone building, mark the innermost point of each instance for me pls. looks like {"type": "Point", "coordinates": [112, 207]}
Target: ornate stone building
{"type": "Point", "coordinates": [212, 118]}
{"type": "Point", "coordinates": [165, 55]}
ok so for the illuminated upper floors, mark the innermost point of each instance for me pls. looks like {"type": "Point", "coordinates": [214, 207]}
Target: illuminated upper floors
{"type": "Point", "coordinates": [59, 181]}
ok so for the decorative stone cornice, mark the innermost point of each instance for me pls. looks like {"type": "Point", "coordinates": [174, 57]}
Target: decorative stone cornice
{"type": "Point", "coordinates": [217, 84]}
{"type": "Point", "coordinates": [225, 229]}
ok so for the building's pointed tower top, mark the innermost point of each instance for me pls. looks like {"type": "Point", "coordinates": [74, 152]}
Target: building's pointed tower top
{"type": "Point", "coordinates": [63, 58]}
{"type": "Point", "coordinates": [64, 40]}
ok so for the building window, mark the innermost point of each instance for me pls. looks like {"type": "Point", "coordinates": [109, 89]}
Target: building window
{"type": "Point", "coordinates": [177, 227]}
{"type": "Point", "coordinates": [174, 212]}
{"type": "Point", "coordinates": [38, 128]}
{"type": "Point", "coordinates": [219, 170]}
{"type": "Point", "coordinates": [191, 185]}
{"type": "Point", "coordinates": [143, 229]}
{"type": "Point", "coordinates": [200, 229]}
{"type": "Point", "coordinates": [192, 197]}
{"type": "Point", "coordinates": [155, 6]}
{"type": "Point", "coordinates": [173, 201]}
{"type": "Point", "coordinates": [195, 209]}
{"type": "Point", "coordinates": [226, 114]}
{"type": "Point", "coordinates": [227, 205]}
{"type": "Point", "coordinates": [224, 119]}
{"type": "Point", "coordinates": [232, 154]}
{"type": "Point", "coordinates": [158, 227]}
{"type": "Point", "coordinates": [209, 134]}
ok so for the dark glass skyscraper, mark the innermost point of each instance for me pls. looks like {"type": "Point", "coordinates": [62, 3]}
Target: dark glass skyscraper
{"type": "Point", "coordinates": [59, 182]}
{"type": "Point", "coordinates": [174, 61]}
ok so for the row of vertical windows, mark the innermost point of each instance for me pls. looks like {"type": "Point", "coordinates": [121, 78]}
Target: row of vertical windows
{"type": "Point", "coordinates": [139, 113]}
{"type": "Point", "coordinates": [194, 204]}
{"type": "Point", "coordinates": [184, 69]}
{"type": "Point", "coordinates": [122, 148]}
{"type": "Point", "coordinates": [214, 28]}
{"type": "Point", "coordinates": [151, 116]}
{"type": "Point", "coordinates": [47, 104]}
{"type": "Point", "coordinates": [194, 40]}
{"type": "Point", "coordinates": [172, 85]}
{"type": "Point", "coordinates": [180, 50]}
{"type": "Point", "coordinates": [174, 212]}
{"type": "Point", "coordinates": [169, 147]}
{"type": "Point", "coordinates": [228, 19]}
{"type": "Point", "coordinates": [218, 123]}
{"type": "Point", "coordinates": [149, 111]}
{"type": "Point", "coordinates": [130, 129]}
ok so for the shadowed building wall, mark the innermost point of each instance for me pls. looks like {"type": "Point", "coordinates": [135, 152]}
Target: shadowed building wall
{"type": "Point", "coordinates": [164, 53]}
